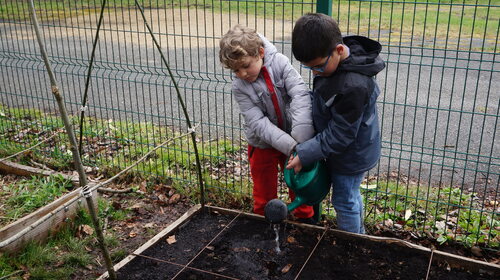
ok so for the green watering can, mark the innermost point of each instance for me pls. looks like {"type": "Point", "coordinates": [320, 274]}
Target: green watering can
{"type": "Point", "coordinates": [310, 186]}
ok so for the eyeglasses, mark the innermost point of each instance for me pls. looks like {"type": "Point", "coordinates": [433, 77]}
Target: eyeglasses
{"type": "Point", "coordinates": [318, 68]}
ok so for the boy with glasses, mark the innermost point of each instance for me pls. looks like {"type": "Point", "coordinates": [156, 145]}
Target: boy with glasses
{"type": "Point", "coordinates": [344, 110]}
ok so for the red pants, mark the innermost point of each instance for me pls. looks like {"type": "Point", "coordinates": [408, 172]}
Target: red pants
{"type": "Point", "coordinates": [264, 165]}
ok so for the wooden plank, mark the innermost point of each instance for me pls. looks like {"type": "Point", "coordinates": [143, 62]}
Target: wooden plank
{"type": "Point", "coordinates": [39, 224]}
{"type": "Point", "coordinates": [337, 232]}
{"type": "Point", "coordinates": [472, 265]}
{"type": "Point", "coordinates": [9, 167]}
{"type": "Point", "coordinates": [173, 226]}
{"type": "Point", "coordinates": [25, 221]}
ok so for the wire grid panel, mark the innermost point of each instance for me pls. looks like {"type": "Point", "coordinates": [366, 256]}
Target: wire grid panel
{"type": "Point", "coordinates": [438, 107]}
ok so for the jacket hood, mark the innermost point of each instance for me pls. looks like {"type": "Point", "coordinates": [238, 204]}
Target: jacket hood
{"type": "Point", "coordinates": [269, 51]}
{"type": "Point", "coordinates": [364, 56]}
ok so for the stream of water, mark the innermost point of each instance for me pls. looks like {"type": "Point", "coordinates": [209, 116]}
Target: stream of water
{"type": "Point", "coordinates": [276, 228]}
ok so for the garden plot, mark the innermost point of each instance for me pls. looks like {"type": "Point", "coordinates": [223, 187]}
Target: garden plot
{"type": "Point", "coordinates": [224, 244]}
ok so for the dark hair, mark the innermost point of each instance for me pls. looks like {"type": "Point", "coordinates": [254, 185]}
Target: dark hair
{"type": "Point", "coordinates": [314, 35]}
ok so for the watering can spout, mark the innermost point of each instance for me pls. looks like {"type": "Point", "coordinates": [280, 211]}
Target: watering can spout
{"type": "Point", "coordinates": [295, 203]}
{"type": "Point", "coordinates": [310, 186]}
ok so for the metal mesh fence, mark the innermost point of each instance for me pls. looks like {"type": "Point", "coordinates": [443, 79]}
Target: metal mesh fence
{"type": "Point", "coordinates": [439, 106]}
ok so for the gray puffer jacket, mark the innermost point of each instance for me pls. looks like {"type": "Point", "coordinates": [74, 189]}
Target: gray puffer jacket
{"type": "Point", "coordinates": [256, 106]}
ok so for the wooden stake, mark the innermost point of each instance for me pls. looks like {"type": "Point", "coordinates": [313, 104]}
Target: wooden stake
{"type": "Point", "coordinates": [73, 146]}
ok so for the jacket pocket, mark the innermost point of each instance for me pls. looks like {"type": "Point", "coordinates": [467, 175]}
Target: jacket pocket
{"type": "Point", "coordinates": [371, 126]}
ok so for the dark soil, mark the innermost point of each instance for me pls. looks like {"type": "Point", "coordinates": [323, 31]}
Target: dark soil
{"type": "Point", "coordinates": [246, 250]}
{"type": "Point", "coordinates": [147, 215]}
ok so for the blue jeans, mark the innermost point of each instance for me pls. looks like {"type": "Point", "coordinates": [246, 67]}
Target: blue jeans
{"type": "Point", "coordinates": [348, 202]}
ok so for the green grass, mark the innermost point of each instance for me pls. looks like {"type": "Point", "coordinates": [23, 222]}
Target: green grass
{"type": "Point", "coordinates": [448, 214]}
{"type": "Point", "coordinates": [27, 195]}
{"type": "Point", "coordinates": [406, 20]}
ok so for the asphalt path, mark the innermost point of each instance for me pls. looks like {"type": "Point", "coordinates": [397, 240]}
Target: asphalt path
{"type": "Point", "coordinates": [438, 109]}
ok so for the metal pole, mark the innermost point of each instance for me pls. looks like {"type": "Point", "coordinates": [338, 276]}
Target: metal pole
{"type": "Point", "coordinates": [324, 7]}
{"type": "Point", "coordinates": [73, 146]}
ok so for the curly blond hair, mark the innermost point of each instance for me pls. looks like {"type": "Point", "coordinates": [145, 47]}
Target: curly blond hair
{"type": "Point", "coordinates": [236, 44]}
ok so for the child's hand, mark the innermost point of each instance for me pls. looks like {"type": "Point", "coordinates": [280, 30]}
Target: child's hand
{"type": "Point", "coordinates": [294, 162]}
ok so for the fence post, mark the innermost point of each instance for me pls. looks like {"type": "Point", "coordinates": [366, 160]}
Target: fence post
{"type": "Point", "coordinates": [324, 7]}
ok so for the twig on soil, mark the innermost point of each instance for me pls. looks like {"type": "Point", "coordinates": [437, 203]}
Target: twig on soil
{"type": "Point", "coordinates": [312, 251]}
{"type": "Point", "coordinates": [208, 244]}
{"type": "Point", "coordinates": [39, 165]}
{"type": "Point", "coordinates": [25, 150]}
{"type": "Point", "coordinates": [429, 266]}
{"type": "Point", "coordinates": [107, 190]}
{"type": "Point", "coordinates": [184, 266]}
{"type": "Point", "coordinates": [10, 275]}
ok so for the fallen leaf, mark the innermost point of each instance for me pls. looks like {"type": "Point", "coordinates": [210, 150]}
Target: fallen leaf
{"type": "Point", "coordinates": [407, 214]}
{"type": "Point", "coordinates": [116, 205]}
{"type": "Point", "coordinates": [291, 239]}
{"type": "Point", "coordinates": [142, 187]}
{"type": "Point", "coordinates": [89, 267]}
{"type": "Point", "coordinates": [171, 239]}
{"type": "Point", "coordinates": [149, 225]}
{"type": "Point", "coordinates": [58, 263]}
{"type": "Point", "coordinates": [476, 251]}
{"type": "Point", "coordinates": [389, 223]}
{"type": "Point", "coordinates": [162, 197]}
{"type": "Point", "coordinates": [132, 234]}
{"type": "Point", "coordinates": [286, 268]}
{"type": "Point", "coordinates": [211, 248]}
{"type": "Point", "coordinates": [174, 199]}
{"type": "Point", "coordinates": [241, 249]}
{"type": "Point", "coordinates": [84, 230]}
{"type": "Point", "coordinates": [440, 225]}
{"type": "Point", "coordinates": [137, 206]}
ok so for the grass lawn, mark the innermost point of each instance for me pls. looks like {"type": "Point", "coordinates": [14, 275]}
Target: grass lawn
{"type": "Point", "coordinates": [398, 21]}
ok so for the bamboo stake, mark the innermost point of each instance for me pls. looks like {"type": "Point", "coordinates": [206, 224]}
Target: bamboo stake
{"type": "Point", "coordinates": [181, 101]}
{"type": "Point", "coordinates": [87, 80]}
{"type": "Point", "coordinates": [73, 145]}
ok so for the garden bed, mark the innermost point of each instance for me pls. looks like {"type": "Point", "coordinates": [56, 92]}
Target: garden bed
{"type": "Point", "coordinates": [38, 225]}
{"type": "Point", "coordinates": [36, 205]}
{"type": "Point", "coordinates": [225, 244]}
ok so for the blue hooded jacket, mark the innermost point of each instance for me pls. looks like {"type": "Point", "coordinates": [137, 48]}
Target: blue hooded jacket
{"type": "Point", "coordinates": [345, 112]}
